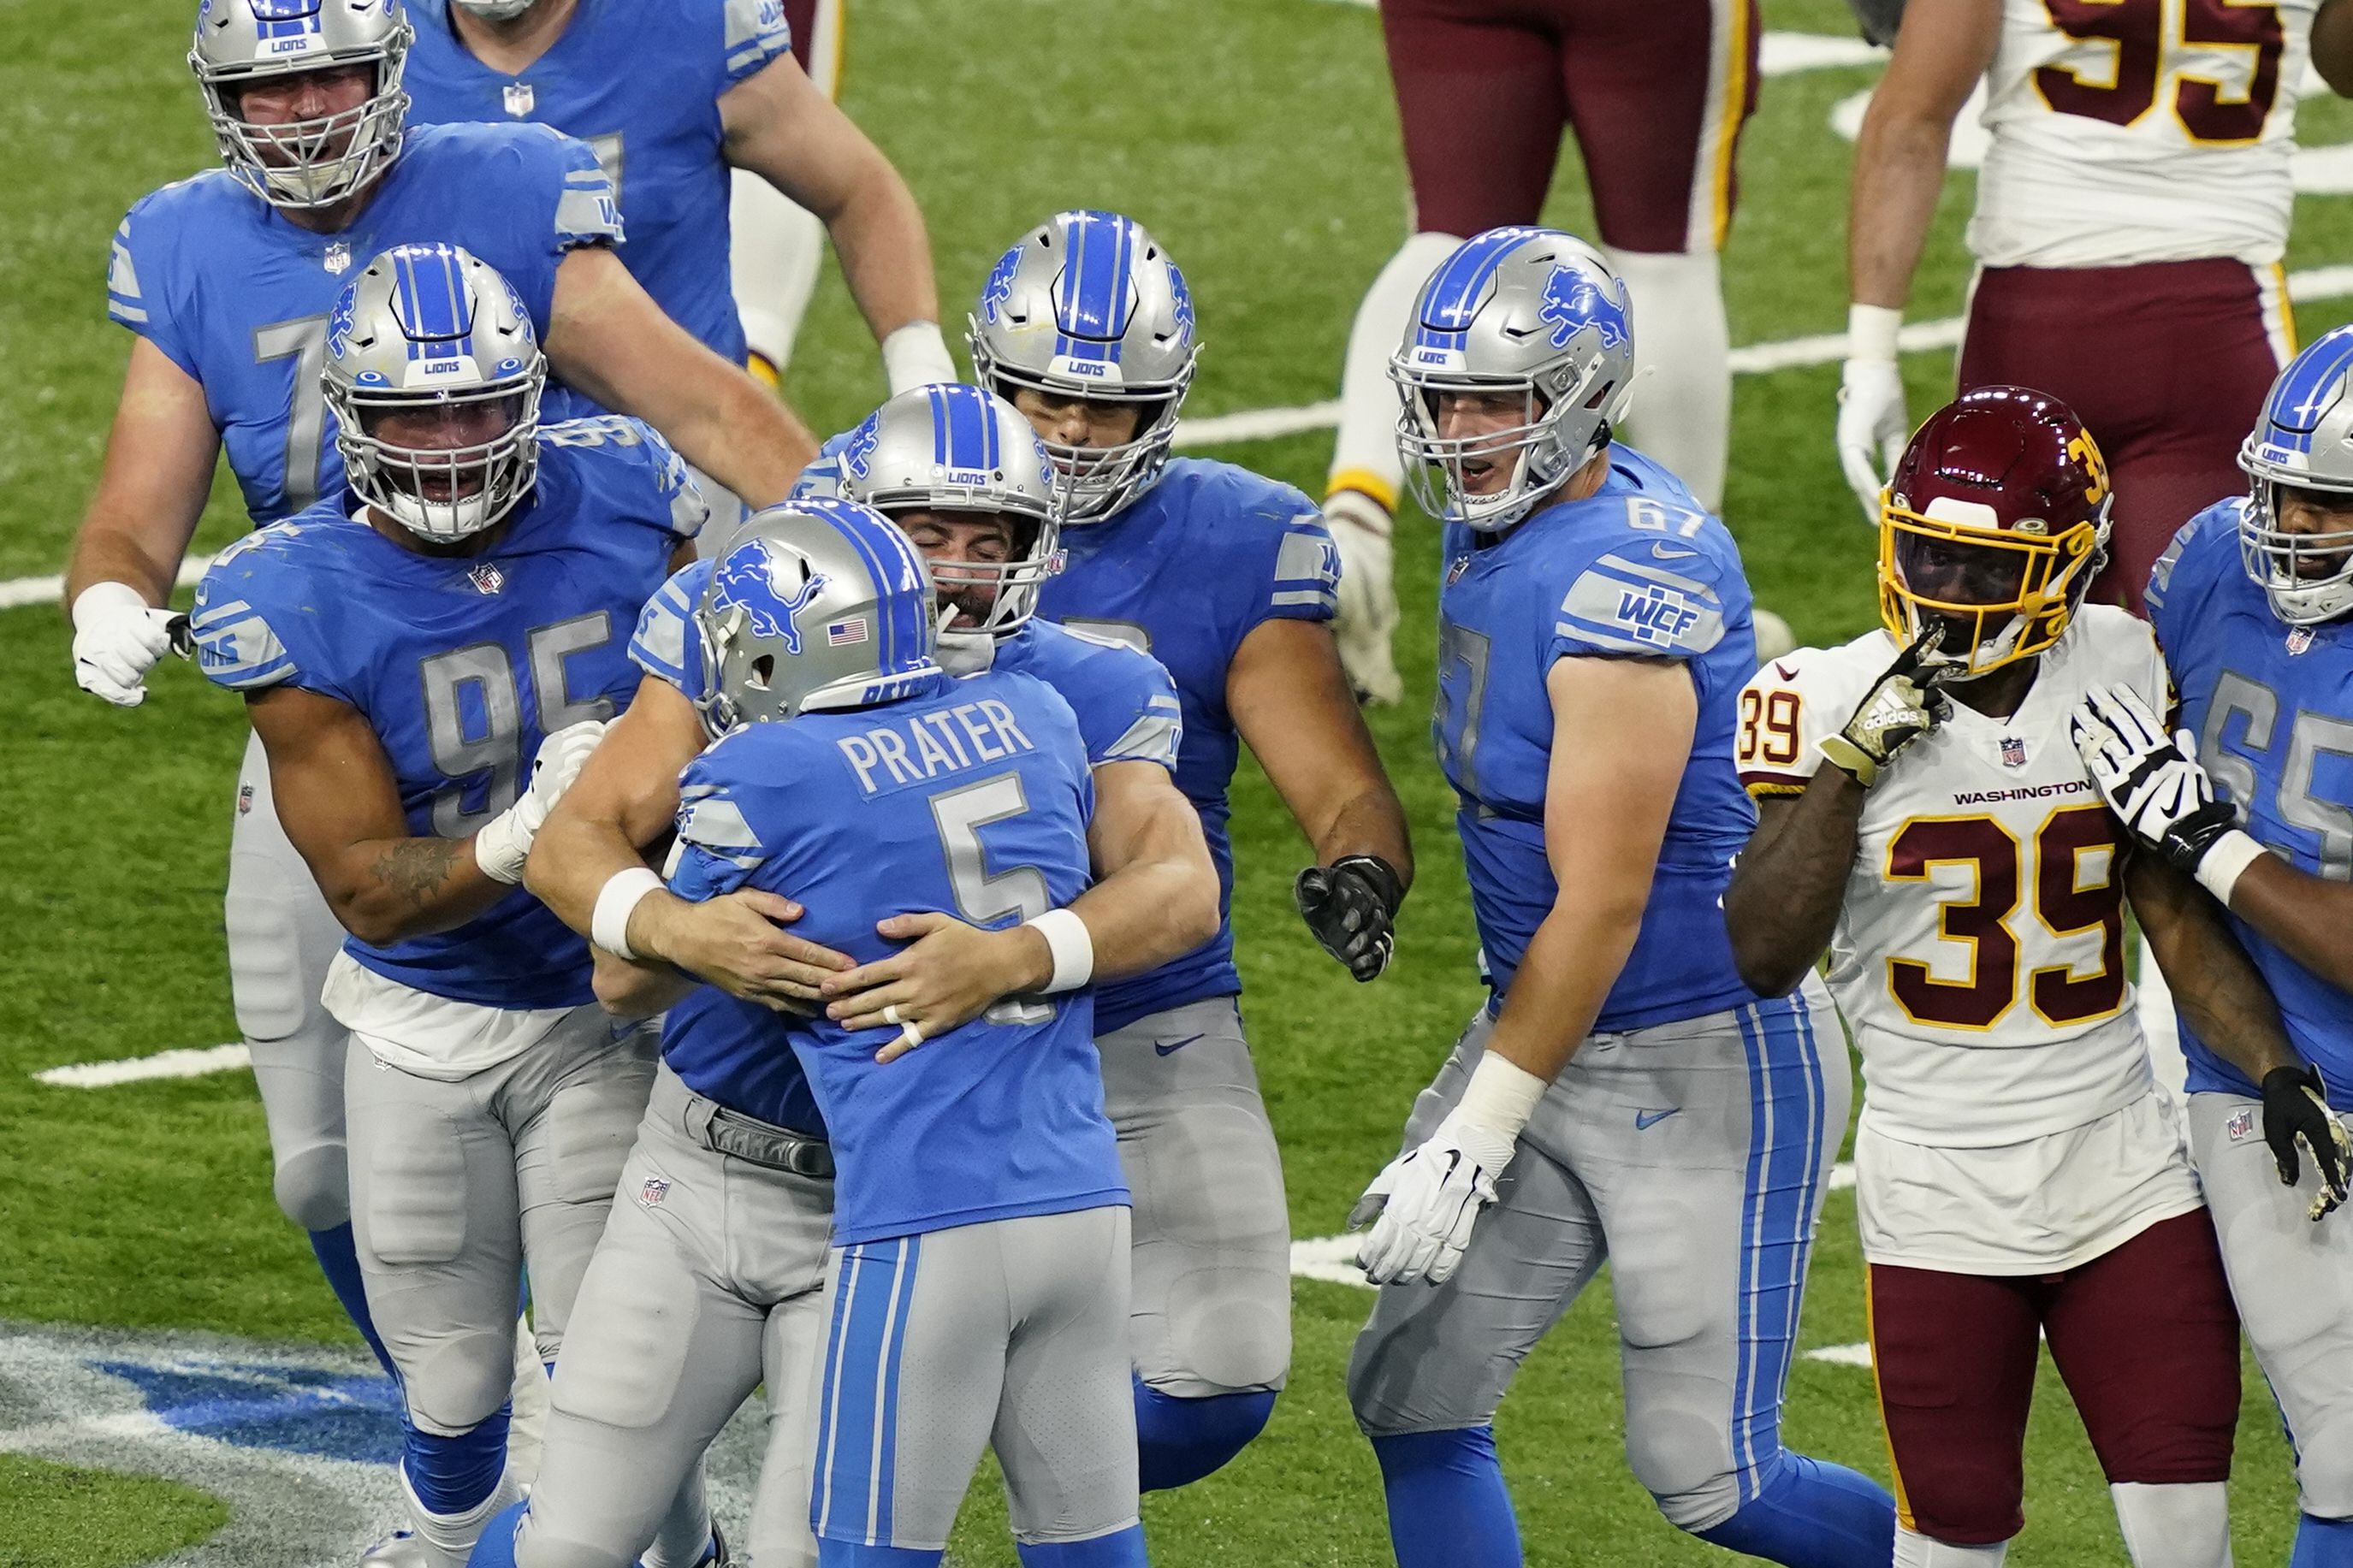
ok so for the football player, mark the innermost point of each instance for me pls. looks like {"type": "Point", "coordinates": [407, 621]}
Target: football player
{"type": "Point", "coordinates": [407, 650]}
{"type": "Point", "coordinates": [1086, 326]}
{"type": "Point", "coordinates": [776, 246]}
{"type": "Point", "coordinates": [977, 1292]}
{"type": "Point", "coordinates": [228, 280]}
{"type": "Point", "coordinates": [2021, 1175]}
{"type": "Point", "coordinates": [672, 97]}
{"type": "Point", "coordinates": [1657, 95]}
{"type": "Point", "coordinates": [2255, 798]}
{"type": "Point", "coordinates": [1623, 1097]}
{"type": "Point", "coordinates": [2135, 196]}
{"type": "Point", "coordinates": [960, 472]}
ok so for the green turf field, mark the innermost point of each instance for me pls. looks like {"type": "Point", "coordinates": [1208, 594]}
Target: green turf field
{"type": "Point", "coordinates": [1257, 140]}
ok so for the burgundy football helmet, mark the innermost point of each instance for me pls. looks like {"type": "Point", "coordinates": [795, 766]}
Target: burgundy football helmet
{"type": "Point", "coordinates": [1993, 525]}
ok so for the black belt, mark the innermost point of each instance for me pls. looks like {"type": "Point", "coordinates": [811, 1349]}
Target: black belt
{"type": "Point", "coordinates": [762, 1143]}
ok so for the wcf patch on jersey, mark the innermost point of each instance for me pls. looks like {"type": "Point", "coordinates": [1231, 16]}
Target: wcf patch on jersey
{"type": "Point", "coordinates": [1656, 614]}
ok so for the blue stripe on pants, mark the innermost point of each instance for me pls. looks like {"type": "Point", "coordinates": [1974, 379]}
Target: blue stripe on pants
{"type": "Point", "coordinates": [852, 1496]}
{"type": "Point", "coordinates": [1786, 1100]}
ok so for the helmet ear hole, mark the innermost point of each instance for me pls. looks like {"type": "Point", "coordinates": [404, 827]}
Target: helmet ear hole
{"type": "Point", "coordinates": [764, 671]}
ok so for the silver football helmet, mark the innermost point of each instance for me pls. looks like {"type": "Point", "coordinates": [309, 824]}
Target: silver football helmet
{"type": "Point", "coordinates": [1526, 311]}
{"type": "Point", "coordinates": [949, 448]}
{"type": "Point", "coordinates": [428, 328]}
{"type": "Point", "coordinates": [2303, 437]}
{"type": "Point", "coordinates": [1087, 305]}
{"type": "Point", "coordinates": [816, 604]}
{"type": "Point", "coordinates": [306, 162]}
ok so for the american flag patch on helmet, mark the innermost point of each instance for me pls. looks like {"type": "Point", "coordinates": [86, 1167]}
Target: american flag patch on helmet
{"type": "Point", "coordinates": [845, 634]}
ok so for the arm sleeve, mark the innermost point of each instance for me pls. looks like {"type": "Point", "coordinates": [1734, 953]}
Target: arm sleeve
{"type": "Point", "coordinates": [1628, 602]}
{"type": "Point", "coordinates": [665, 645]}
{"type": "Point", "coordinates": [1129, 712]}
{"type": "Point", "coordinates": [718, 848]}
{"type": "Point", "coordinates": [756, 33]}
{"type": "Point", "coordinates": [136, 262]}
{"type": "Point", "coordinates": [1782, 716]}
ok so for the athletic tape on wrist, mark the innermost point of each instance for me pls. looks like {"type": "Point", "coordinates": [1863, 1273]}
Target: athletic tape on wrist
{"type": "Point", "coordinates": [608, 928]}
{"type": "Point", "coordinates": [2225, 863]}
{"type": "Point", "coordinates": [1871, 332]}
{"type": "Point", "coordinates": [1073, 948]}
{"type": "Point", "coordinates": [1501, 1094]}
{"type": "Point", "coordinates": [916, 356]}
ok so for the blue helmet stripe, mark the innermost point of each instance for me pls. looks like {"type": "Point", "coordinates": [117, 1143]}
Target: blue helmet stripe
{"type": "Point", "coordinates": [1089, 313]}
{"type": "Point", "coordinates": [1452, 296]}
{"type": "Point", "coordinates": [967, 432]}
{"type": "Point", "coordinates": [939, 424]}
{"type": "Point", "coordinates": [433, 296]}
{"type": "Point", "coordinates": [2306, 390]}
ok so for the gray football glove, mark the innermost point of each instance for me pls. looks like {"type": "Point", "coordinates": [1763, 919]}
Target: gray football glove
{"type": "Point", "coordinates": [1902, 705]}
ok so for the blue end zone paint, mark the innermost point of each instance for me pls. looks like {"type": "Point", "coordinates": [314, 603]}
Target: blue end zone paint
{"type": "Point", "coordinates": [292, 1410]}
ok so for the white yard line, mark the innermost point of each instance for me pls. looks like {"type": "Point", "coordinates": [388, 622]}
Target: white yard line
{"type": "Point", "coordinates": [187, 1063]}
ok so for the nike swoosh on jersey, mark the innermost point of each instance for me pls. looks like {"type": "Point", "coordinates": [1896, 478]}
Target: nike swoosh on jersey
{"type": "Point", "coordinates": [1173, 1046]}
{"type": "Point", "coordinates": [1645, 1119]}
{"type": "Point", "coordinates": [1664, 553]}
{"type": "Point", "coordinates": [1784, 671]}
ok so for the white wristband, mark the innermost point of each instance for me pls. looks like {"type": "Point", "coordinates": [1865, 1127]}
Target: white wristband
{"type": "Point", "coordinates": [608, 928]}
{"type": "Point", "coordinates": [2226, 863]}
{"type": "Point", "coordinates": [1073, 949]}
{"type": "Point", "coordinates": [1501, 1094]}
{"type": "Point", "coordinates": [916, 356]}
{"type": "Point", "coordinates": [1871, 332]}
{"type": "Point", "coordinates": [98, 595]}
{"type": "Point", "coordinates": [503, 844]}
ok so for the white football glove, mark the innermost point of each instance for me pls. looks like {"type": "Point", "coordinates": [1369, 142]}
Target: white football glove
{"type": "Point", "coordinates": [1427, 1200]}
{"type": "Point", "coordinates": [2153, 781]}
{"type": "Point", "coordinates": [118, 638]}
{"type": "Point", "coordinates": [503, 843]}
{"type": "Point", "coordinates": [1871, 427]}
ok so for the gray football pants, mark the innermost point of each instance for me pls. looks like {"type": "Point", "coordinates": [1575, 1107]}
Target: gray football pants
{"type": "Point", "coordinates": [2294, 1282]}
{"type": "Point", "coordinates": [706, 1283]}
{"type": "Point", "coordinates": [282, 938]}
{"type": "Point", "coordinates": [1010, 1334]}
{"type": "Point", "coordinates": [457, 1186]}
{"type": "Point", "coordinates": [1211, 1291]}
{"type": "Point", "coordinates": [1693, 1157]}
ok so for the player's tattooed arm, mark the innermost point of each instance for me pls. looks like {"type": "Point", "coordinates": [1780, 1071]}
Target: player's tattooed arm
{"type": "Point", "coordinates": [1789, 883]}
{"type": "Point", "coordinates": [341, 806]}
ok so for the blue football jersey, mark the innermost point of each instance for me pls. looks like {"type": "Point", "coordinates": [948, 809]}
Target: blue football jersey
{"type": "Point", "coordinates": [1126, 705]}
{"type": "Point", "coordinates": [640, 82]}
{"type": "Point", "coordinates": [972, 800]}
{"type": "Point", "coordinates": [464, 664]}
{"type": "Point", "coordinates": [1185, 571]}
{"type": "Point", "coordinates": [238, 297]}
{"type": "Point", "coordinates": [2271, 706]}
{"type": "Point", "coordinates": [1636, 568]}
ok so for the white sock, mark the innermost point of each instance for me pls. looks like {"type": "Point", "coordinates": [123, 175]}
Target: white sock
{"type": "Point", "coordinates": [2175, 1526]}
{"type": "Point", "coordinates": [1365, 455]}
{"type": "Point", "coordinates": [1369, 606]}
{"type": "Point", "coordinates": [684, 1533]}
{"type": "Point", "coordinates": [1681, 410]}
{"type": "Point", "coordinates": [1913, 1550]}
{"type": "Point", "coordinates": [448, 1538]}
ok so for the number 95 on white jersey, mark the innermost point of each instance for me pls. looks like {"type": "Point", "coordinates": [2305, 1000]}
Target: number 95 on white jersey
{"type": "Point", "coordinates": [1979, 956]}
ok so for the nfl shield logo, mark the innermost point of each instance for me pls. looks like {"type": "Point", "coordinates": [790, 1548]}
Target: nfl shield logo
{"type": "Point", "coordinates": [2240, 1124]}
{"type": "Point", "coordinates": [653, 1192]}
{"type": "Point", "coordinates": [487, 578]}
{"type": "Point", "coordinates": [337, 259]}
{"type": "Point", "coordinates": [1455, 568]}
{"type": "Point", "coordinates": [2298, 641]}
{"type": "Point", "coordinates": [519, 99]}
{"type": "Point", "coordinates": [2013, 752]}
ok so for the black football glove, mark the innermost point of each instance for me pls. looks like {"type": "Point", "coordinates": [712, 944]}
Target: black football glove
{"type": "Point", "coordinates": [1902, 705]}
{"type": "Point", "coordinates": [1351, 905]}
{"type": "Point", "coordinates": [2295, 1117]}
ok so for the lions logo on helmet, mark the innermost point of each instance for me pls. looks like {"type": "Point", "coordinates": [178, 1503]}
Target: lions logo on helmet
{"type": "Point", "coordinates": [999, 287]}
{"type": "Point", "coordinates": [1574, 301]}
{"type": "Point", "coordinates": [748, 580]}
{"type": "Point", "coordinates": [858, 452]}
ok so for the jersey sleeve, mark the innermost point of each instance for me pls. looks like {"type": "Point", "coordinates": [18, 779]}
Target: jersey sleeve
{"type": "Point", "coordinates": [1649, 600]}
{"type": "Point", "coordinates": [1124, 703]}
{"type": "Point", "coordinates": [756, 33]}
{"type": "Point", "coordinates": [561, 199]}
{"type": "Point", "coordinates": [665, 645]}
{"type": "Point", "coordinates": [721, 803]}
{"type": "Point", "coordinates": [678, 504]}
{"type": "Point", "coordinates": [1304, 584]}
{"type": "Point", "coordinates": [1785, 711]}
{"type": "Point", "coordinates": [138, 272]}
{"type": "Point", "coordinates": [2184, 575]}
{"type": "Point", "coordinates": [255, 627]}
